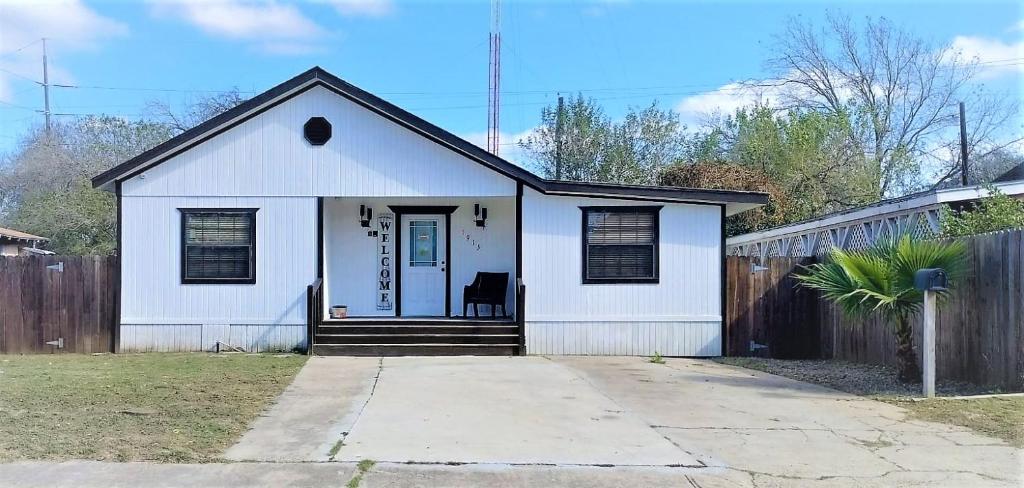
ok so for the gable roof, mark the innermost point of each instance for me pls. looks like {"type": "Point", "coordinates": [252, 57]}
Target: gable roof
{"type": "Point", "coordinates": [317, 76]}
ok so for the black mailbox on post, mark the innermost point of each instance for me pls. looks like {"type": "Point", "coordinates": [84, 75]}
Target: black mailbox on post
{"type": "Point", "coordinates": [930, 279]}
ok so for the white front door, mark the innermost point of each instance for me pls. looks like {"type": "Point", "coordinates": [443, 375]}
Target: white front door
{"type": "Point", "coordinates": [423, 265]}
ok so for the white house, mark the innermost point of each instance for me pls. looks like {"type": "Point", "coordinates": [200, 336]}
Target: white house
{"type": "Point", "coordinates": [246, 229]}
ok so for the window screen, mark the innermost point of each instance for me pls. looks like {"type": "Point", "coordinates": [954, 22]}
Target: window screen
{"type": "Point", "coordinates": [218, 245]}
{"type": "Point", "coordinates": [620, 244]}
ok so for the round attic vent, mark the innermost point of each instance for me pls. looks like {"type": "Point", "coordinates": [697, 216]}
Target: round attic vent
{"type": "Point", "coordinates": [317, 131]}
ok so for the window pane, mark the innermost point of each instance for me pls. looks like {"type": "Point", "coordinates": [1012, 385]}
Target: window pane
{"type": "Point", "coordinates": [216, 228]}
{"type": "Point", "coordinates": [217, 262]}
{"type": "Point", "coordinates": [422, 243]}
{"type": "Point", "coordinates": [620, 262]}
{"type": "Point", "coordinates": [620, 228]}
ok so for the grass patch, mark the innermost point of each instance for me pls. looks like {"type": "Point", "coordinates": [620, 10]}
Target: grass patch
{"type": "Point", "coordinates": [134, 407]}
{"type": "Point", "coordinates": [335, 448]}
{"type": "Point", "coordinates": [656, 358]}
{"type": "Point", "coordinates": [995, 417]}
{"type": "Point", "coordinates": [361, 469]}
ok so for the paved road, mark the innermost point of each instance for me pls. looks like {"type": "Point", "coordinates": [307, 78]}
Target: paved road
{"type": "Point", "coordinates": [568, 421]}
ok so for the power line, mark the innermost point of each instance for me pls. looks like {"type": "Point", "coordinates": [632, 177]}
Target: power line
{"type": "Point", "coordinates": [13, 105]}
{"type": "Point", "coordinates": [22, 48]}
{"type": "Point", "coordinates": [125, 88]}
{"type": "Point", "coordinates": [20, 76]}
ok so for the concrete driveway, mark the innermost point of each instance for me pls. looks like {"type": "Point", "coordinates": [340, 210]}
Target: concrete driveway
{"type": "Point", "coordinates": [600, 421]}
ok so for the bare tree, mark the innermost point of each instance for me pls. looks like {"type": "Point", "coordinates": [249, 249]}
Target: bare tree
{"type": "Point", "coordinates": [899, 91]}
{"type": "Point", "coordinates": [195, 110]}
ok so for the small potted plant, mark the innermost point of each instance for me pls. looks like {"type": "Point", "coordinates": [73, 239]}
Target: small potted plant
{"type": "Point", "coordinates": [339, 311]}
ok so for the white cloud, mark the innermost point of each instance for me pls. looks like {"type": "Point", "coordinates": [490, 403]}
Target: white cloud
{"type": "Point", "coordinates": [271, 26]}
{"type": "Point", "coordinates": [68, 25]}
{"type": "Point", "coordinates": [995, 57]}
{"type": "Point", "coordinates": [366, 8]}
{"type": "Point", "coordinates": [725, 100]}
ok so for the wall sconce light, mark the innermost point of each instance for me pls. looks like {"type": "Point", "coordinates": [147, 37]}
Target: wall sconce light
{"type": "Point", "coordinates": [479, 215]}
{"type": "Point", "coordinates": [365, 215]}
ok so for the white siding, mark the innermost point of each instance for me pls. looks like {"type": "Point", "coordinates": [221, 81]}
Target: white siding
{"type": "Point", "coordinates": [367, 155]}
{"type": "Point", "coordinates": [351, 268]}
{"type": "Point", "coordinates": [622, 338]}
{"type": "Point", "coordinates": [151, 289]}
{"type": "Point", "coordinates": [192, 337]}
{"type": "Point", "coordinates": [680, 315]}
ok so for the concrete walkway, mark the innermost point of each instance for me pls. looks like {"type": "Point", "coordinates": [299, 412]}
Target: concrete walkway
{"type": "Point", "coordinates": [569, 421]}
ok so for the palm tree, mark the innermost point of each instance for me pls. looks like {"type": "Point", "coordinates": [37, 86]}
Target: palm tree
{"type": "Point", "coordinates": [881, 280]}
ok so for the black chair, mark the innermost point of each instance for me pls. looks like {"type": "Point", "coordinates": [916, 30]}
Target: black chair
{"type": "Point", "coordinates": [486, 289]}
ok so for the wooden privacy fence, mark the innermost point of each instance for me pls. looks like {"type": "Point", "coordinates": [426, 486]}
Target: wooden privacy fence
{"type": "Point", "coordinates": [56, 304]}
{"type": "Point", "coordinates": [979, 330]}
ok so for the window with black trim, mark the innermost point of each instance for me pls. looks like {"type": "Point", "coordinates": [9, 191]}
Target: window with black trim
{"type": "Point", "coordinates": [218, 245]}
{"type": "Point", "coordinates": [620, 244]}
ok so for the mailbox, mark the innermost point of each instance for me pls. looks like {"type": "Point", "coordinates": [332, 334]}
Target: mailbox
{"type": "Point", "coordinates": [930, 279]}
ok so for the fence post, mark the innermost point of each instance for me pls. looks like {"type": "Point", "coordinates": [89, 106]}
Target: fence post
{"type": "Point", "coordinates": [929, 344]}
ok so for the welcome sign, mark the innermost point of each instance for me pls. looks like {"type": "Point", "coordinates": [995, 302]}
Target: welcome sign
{"type": "Point", "coordinates": [385, 251]}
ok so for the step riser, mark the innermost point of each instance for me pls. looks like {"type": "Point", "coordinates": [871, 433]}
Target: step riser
{"type": "Point", "coordinates": [414, 322]}
{"type": "Point", "coordinates": [341, 350]}
{"type": "Point", "coordinates": [510, 340]}
{"type": "Point", "coordinates": [416, 329]}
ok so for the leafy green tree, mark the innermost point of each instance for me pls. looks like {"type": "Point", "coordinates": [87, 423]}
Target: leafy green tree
{"type": "Point", "coordinates": [881, 280]}
{"type": "Point", "coordinates": [77, 219]}
{"type": "Point", "coordinates": [996, 212]}
{"type": "Point", "coordinates": [802, 158]}
{"type": "Point", "coordinates": [594, 148]}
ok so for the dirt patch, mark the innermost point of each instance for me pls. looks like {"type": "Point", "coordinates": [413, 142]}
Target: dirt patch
{"type": "Point", "coordinates": [134, 407]}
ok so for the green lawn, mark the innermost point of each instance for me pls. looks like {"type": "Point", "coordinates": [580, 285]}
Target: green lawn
{"type": "Point", "coordinates": [995, 417]}
{"type": "Point", "coordinates": [133, 407]}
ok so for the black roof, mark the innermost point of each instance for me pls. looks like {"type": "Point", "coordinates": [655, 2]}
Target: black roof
{"type": "Point", "coordinates": [317, 76]}
{"type": "Point", "coordinates": [1015, 173]}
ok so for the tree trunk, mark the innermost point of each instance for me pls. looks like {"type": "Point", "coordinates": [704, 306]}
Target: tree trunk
{"type": "Point", "coordinates": [906, 357]}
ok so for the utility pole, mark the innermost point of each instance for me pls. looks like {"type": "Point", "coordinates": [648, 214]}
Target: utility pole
{"type": "Point", "coordinates": [558, 139]}
{"type": "Point", "coordinates": [46, 89]}
{"type": "Point", "coordinates": [963, 146]}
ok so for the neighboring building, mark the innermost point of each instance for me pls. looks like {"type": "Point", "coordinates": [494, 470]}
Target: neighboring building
{"type": "Point", "coordinates": [860, 227]}
{"type": "Point", "coordinates": [226, 229]}
{"type": "Point", "coordinates": [17, 243]}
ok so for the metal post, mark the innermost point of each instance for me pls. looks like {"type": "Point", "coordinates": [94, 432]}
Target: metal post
{"type": "Point", "coordinates": [929, 345]}
{"type": "Point", "coordinates": [558, 139]}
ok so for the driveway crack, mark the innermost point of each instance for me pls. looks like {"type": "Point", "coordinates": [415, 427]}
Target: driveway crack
{"type": "Point", "coordinates": [344, 435]}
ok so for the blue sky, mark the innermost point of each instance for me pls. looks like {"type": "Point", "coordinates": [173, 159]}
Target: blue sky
{"type": "Point", "coordinates": [431, 57]}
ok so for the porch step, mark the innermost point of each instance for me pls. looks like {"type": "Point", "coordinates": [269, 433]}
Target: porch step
{"type": "Point", "coordinates": [424, 338]}
{"type": "Point", "coordinates": [414, 350]}
{"type": "Point", "coordinates": [420, 321]}
{"type": "Point", "coordinates": [417, 329]}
